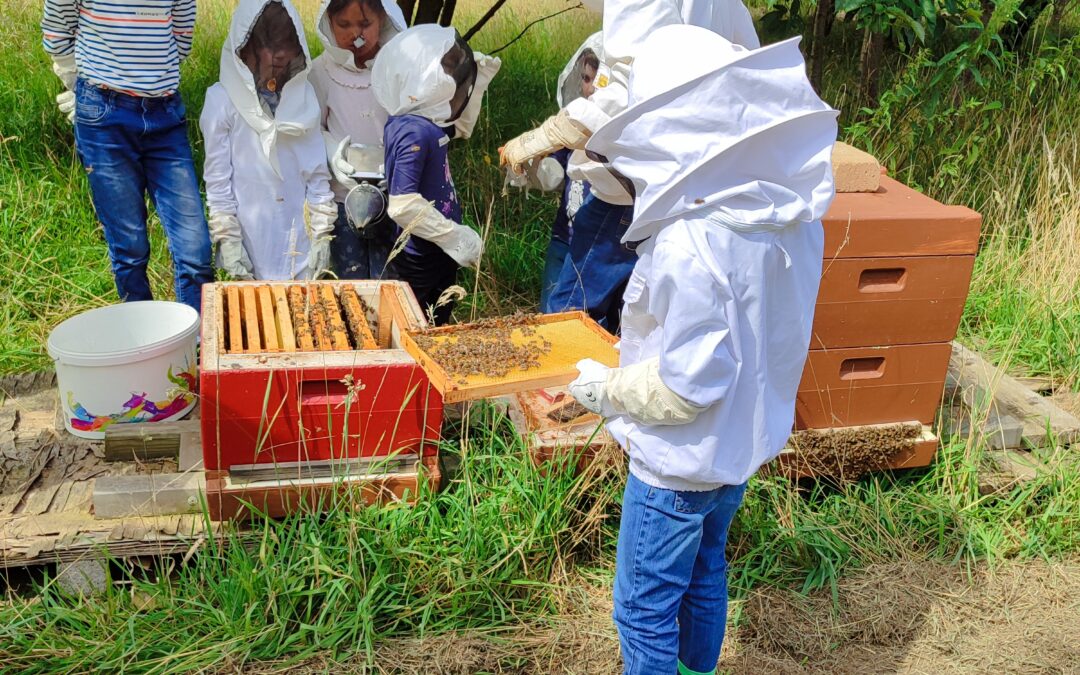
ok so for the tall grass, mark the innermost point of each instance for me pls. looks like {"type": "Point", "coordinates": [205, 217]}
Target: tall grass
{"type": "Point", "coordinates": [494, 546]}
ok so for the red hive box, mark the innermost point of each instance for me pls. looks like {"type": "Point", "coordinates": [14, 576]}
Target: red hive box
{"type": "Point", "coordinates": [271, 396]}
{"type": "Point", "coordinates": [893, 287]}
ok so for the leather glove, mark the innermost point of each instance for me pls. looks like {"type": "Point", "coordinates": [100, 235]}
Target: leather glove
{"type": "Point", "coordinates": [335, 158]}
{"type": "Point", "coordinates": [234, 259]}
{"type": "Point", "coordinates": [321, 227]}
{"type": "Point", "coordinates": [486, 69]}
{"type": "Point", "coordinates": [590, 387]}
{"type": "Point", "coordinates": [461, 243]}
{"type": "Point", "coordinates": [557, 132]}
{"type": "Point", "coordinates": [64, 67]}
{"type": "Point", "coordinates": [417, 217]}
{"type": "Point", "coordinates": [231, 256]}
{"type": "Point", "coordinates": [65, 101]}
{"type": "Point", "coordinates": [638, 391]}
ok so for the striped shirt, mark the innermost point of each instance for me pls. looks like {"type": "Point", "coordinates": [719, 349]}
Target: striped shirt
{"type": "Point", "coordinates": [133, 47]}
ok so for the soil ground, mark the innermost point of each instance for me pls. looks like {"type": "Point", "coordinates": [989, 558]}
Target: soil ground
{"type": "Point", "coordinates": [908, 617]}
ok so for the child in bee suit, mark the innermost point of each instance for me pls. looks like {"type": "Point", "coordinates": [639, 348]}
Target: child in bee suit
{"type": "Point", "coordinates": [599, 264]}
{"type": "Point", "coordinates": [264, 155]}
{"type": "Point", "coordinates": [352, 32]}
{"type": "Point", "coordinates": [432, 85]}
{"type": "Point", "coordinates": [729, 153]}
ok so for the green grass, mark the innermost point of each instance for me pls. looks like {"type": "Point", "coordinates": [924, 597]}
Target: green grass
{"type": "Point", "coordinates": [495, 547]}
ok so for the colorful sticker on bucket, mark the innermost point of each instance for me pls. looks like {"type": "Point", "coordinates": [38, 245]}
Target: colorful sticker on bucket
{"type": "Point", "coordinates": [139, 408]}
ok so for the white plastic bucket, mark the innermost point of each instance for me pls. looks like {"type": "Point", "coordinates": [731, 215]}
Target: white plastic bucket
{"type": "Point", "coordinates": [132, 362]}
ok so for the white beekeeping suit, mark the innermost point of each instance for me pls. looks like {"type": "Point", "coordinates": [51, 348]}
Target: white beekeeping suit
{"type": "Point", "coordinates": [264, 154]}
{"type": "Point", "coordinates": [627, 25]}
{"type": "Point", "coordinates": [350, 113]}
{"type": "Point", "coordinates": [730, 158]}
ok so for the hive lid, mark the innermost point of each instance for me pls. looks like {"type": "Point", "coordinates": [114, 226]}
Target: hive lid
{"type": "Point", "coordinates": [572, 336]}
{"type": "Point", "coordinates": [897, 221]}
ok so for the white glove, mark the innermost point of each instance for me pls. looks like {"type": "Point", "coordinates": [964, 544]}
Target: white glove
{"type": "Point", "coordinates": [64, 67]}
{"type": "Point", "coordinates": [418, 217]}
{"type": "Point", "coordinates": [335, 158]}
{"type": "Point", "coordinates": [590, 387]}
{"type": "Point", "coordinates": [65, 100]}
{"type": "Point", "coordinates": [545, 175]}
{"type": "Point", "coordinates": [557, 132]}
{"type": "Point", "coordinates": [234, 259]}
{"type": "Point", "coordinates": [321, 227]}
{"type": "Point", "coordinates": [639, 392]}
{"type": "Point", "coordinates": [486, 69]}
{"type": "Point", "coordinates": [231, 256]}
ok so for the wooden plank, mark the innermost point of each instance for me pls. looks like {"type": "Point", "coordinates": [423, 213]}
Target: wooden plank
{"type": "Point", "coordinates": [284, 318]}
{"type": "Point", "coordinates": [319, 326]}
{"type": "Point", "coordinates": [266, 319]}
{"type": "Point", "coordinates": [147, 440]}
{"type": "Point", "coordinates": [332, 312]}
{"type": "Point", "coordinates": [357, 318]}
{"type": "Point", "coordinates": [298, 310]}
{"type": "Point", "coordinates": [981, 386]}
{"type": "Point", "coordinates": [321, 468]}
{"type": "Point", "coordinates": [235, 312]}
{"type": "Point", "coordinates": [997, 431]}
{"type": "Point", "coordinates": [251, 320]}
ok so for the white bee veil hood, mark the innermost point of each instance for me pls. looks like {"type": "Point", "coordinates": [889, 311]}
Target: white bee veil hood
{"type": "Point", "coordinates": [393, 24]}
{"type": "Point", "coordinates": [739, 132]}
{"type": "Point", "coordinates": [297, 110]}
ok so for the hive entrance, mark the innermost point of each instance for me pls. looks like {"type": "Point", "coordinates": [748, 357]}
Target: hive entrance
{"type": "Point", "coordinates": [300, 317]}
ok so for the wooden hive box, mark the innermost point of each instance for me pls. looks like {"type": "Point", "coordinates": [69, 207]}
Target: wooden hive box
{"type": "Point", "coordinates": [894, 282]}
{"type": "Point", "coordinates": [549, 440]}
{"type": "Point", "coordinates": [275, 392]}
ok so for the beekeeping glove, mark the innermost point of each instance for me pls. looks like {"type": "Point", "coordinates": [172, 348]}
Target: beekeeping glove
{"type": "Point", "coordinates": [557, 132]}
{"type": "Point", "coordinates": [231, 256]}
{"type": "Point", "coordinates": [486, 69]}
{"type": "Point", "coordinates": [639, 392]}
{"type": "Point", "coordinates": [590, 387]}
{"type": "Point", "coordinates": [419, 218]}
{"type": "Point", "coordinates": [64, 67]}
{"type": "Point", "coordinates": [320, 231]}
{"type": "Point", "coordinates": [335, 158]}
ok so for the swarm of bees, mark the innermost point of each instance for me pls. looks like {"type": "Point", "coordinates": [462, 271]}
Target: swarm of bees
{"type": "Point", "coordinates": [486, 347]}
{"type": "Point", "coordinates": [846, 454]}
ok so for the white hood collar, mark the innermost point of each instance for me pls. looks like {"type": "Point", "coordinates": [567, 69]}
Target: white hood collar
{"type": "Point", "coordinates": [394, 24]}
{"type": "Point", "coordinates": [298, 110]}
{"type": "Point", "coordinates": [714, 126]}
{"type": "Point", "coordinates": [408, 77]}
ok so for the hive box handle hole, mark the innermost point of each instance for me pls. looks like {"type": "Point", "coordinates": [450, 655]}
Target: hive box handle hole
{"type": "Point", "coordinates": [868, 368]}
{"type": "Point", "coordinates": [322, 393]}
{"type": "Point", "coordinates": [890, 280]}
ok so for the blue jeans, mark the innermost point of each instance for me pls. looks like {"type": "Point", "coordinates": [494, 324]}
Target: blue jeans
{"type": "Point", "coordinates": [131, 146]}
{"type": "Point", "coordinates": [553, 262]}
{"type": "Point", "coordinates": [360, 257]}
{"type": "Point", "coordinates": [595, 273]}
{"type": "Point", "coordinates": [671, 577]}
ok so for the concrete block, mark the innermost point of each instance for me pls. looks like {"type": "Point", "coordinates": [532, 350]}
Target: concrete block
{"type": "Point", "coordinates": [161, 494]}
{"type": "Point", "coordinates": [854, 170]}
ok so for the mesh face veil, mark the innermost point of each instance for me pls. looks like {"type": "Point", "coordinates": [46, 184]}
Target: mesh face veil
{"type": "Point", "coordinates": [272, 51]}
{"type": "Point", "coordinates": [580, 75]}
{"type": "Point", "coordinates": [459, 64]}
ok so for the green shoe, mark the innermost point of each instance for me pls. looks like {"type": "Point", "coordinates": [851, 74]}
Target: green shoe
{"type": "Point", "coordinates": [683, 670]}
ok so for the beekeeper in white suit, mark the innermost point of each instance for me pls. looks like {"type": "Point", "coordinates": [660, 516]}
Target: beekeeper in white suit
{"type": "Point", "coordinates": [264, 154]}
{"type": "Point", "coordinates": [598, 266]}
{"type": "Point", "coordinates": [728, 151]}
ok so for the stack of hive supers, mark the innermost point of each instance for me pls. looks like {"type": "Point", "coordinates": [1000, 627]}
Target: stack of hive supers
{"type": "Point", "coordinates": [299, 397]}
{"type": "Point", "coordinates": [895, 279]}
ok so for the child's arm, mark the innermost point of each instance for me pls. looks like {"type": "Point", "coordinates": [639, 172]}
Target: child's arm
{"type": "Point", "coordinates": [417, 216]}
{"type": "Point", "coordinates": [322, 210]}
{"type": "Point", "coordinates": [183, 19]}
{"type": "Point", "coordinates": [59, 25]}
{"type": "Point", "coordinates": [225, 230]}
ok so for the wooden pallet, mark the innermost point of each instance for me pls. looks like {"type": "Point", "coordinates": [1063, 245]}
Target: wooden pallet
{"type": "Point", "coordinates": [289, 318]}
